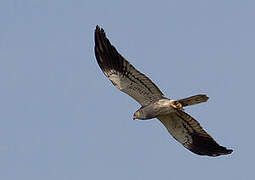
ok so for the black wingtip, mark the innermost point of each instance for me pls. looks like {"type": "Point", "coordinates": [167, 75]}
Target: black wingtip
{"type": "Point", "coordinates": [99, 29]}
{"type": "Point", "coordinates": [229, 151]}
{"type": "Point", "coordinates": [221, 151]}
{"type": "Point", "coordinates": [207, 146]}
{"type": "Point", "coordinates": [99, 34]}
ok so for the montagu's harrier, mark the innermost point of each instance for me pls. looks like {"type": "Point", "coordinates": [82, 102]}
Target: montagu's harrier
{"type": "Point", "coordinates": [179, 124]}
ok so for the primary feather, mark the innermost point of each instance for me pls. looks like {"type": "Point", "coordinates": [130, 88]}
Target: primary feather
{"type": "Point", "coordinates": [122, 74]}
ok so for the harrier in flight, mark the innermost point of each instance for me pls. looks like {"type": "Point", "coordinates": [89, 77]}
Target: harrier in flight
{"type": "Point", "coordinates": [179, 124]}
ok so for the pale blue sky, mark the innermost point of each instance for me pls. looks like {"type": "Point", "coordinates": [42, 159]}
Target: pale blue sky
{"type": "Point", "coordinates": [62, 119]}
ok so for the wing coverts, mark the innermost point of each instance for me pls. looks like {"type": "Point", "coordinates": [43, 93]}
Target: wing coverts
{"type": "Point", "coordinates": [122, 74]}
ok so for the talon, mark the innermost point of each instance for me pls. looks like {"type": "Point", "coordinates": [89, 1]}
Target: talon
{"type": "Point", "coordinates": [177, 105]}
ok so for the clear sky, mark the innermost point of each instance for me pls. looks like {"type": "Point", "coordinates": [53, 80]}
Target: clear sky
{"type": "Point", "coordinates": [61, 118]}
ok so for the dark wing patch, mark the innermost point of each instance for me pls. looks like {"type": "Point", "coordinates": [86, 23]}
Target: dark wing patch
{"type": "Point", "coordinates": [122, 74]}
{"type": "Point", "coordinates": [188, 132]}
{"type": "Point", "coordinates": [204, 145]}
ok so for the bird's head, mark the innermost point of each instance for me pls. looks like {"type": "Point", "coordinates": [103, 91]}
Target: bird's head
{"type": "Point", "coordinates": [136, 115]}
{"type": "Point", "coordinates": [139, 115]}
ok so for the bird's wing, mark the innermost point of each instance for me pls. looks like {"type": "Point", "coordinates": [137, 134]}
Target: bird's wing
{"type": "Point", "coordinates": [191, 135]}
{"type": "Point", "coordinates": [122, 74]}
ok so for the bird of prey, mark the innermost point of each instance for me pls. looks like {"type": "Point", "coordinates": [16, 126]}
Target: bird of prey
{"type": "Point", "coordinates": [184, 128]}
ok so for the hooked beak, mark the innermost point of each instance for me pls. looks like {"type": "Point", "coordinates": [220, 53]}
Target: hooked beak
{"type": "Point", "coordinates": [137, 114]}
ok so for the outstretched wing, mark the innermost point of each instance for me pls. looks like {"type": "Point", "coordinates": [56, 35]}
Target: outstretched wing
{"type": "Point", "coordinates": [191, 135]}
{"type": "Point", "coordinates": [122, 74]}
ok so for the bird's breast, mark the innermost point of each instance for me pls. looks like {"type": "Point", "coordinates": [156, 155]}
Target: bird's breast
{"type": "Point", "coordinates": [161, 107]}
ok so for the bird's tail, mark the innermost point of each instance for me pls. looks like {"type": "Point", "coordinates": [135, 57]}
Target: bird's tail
{"type": "Point", "coordinates": [200, 98]}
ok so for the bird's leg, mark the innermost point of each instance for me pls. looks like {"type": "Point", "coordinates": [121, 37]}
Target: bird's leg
{"type": "Point", "coordinates": [177, 105]}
